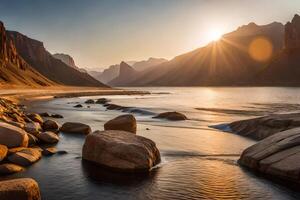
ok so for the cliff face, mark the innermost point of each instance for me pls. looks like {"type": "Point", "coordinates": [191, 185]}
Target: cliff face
{"type": "Point", "coordinates": [67, 59]}
{"type": "Point", "coordinates": [14, 69]}
{"type": "Point", "coordinates": [38, 57]}
{"type": "Point", "coordinates": [292, 34]}
{"type": "Point", "coordinates": [126, 73]}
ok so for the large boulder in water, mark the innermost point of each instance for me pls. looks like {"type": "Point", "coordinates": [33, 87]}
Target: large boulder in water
{"type": "Point", "coordinates": [25, 157]}
{"type": "Point", "coordinates": [173, 116]}
{"type": "Point", "coordinates": [12, 136]}
{"type": "Point", "coordinates": [48, 137]}
{"type": "Point", "coordinates": [123, 123]}
{"type": "Point", "coordinates": [75, 127]}
{"type": "Point", "coordinates": [19, 189]}
{"type": "Point", "coordinates": [121, 151]}
{"type": "Point", "coordinates": [277, 156]}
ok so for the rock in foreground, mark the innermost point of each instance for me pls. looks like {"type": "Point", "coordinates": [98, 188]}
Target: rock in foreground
{"type": "Point", "coordinates": [48, 137]}
{"type": "Point", "coordinates": [121, 151]}
{"type": "Point", "coordinates": [19, 189]}
{"type": "Point", "coordinates": [9, 168]}
{"type": "Point", "coordinates": [262, 127]}
{"type": "Point", "coordinates": [173, 116]}
{"type": "Point", "coordinates": [277, 156]}
{"type": "Point", "coordinates": [123, 123]}
{"type": "Point", "coordinates": [3, 151]}
{"type": "Point", "coordinates": [25, 157]}
{"type": "Point", "coordinates": [75, 127]}
{"type": "Point", "coordinates": [12, 136]}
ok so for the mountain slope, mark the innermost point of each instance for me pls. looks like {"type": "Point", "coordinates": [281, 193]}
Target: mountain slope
{"type": "Point", "coordinates": [145, 64]}
{"type": "Point", "coordinates": [68, 60]}
{"type": "Point", "coordinates": [38, 57]}
{"type": "Point", "coordinates": [126, 73]}
{"type": "Point", "coordinates": [14, 70]}
{"type": "Point", "coordinates": [224, 62]}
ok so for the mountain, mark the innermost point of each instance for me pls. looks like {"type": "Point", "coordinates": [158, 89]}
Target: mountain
{"type": "Point", "coordinates": [112, 71]}
{"type": "Point", "coordinates": [225, 62]}
{"type": "Point", "coordinates": [35, 54]}
{"type": "Point", "coordinates": [14, 70]}
{"type": "Point", "coordinates": [284, 69]}
{"type": "Point", "coordinates": [67, 59]}
{"type": "Point", "coordinates": [126, 72]}
{"type": "Point", "coordinates": [145, 64]}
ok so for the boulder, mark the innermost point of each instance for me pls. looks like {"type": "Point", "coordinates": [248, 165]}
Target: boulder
{"type": "Point", "coordinates": [123, 123]}
{"type": "Point", "coordinates": [33, 140]}
{"type": "Point", "coordinates": [277, 156]}
{"type": "Point", "coordinates": [9, 168]}
{"type": "Point", "coordinates": [78, 106]}
{"type": "Point", "coordinates": [75, 127]}
{"type": "Point", "coordinates": [50, 125]}
{"type": "Point", "coordinates": [3, 151]}
{"type": "Point", "coordinates": [48, 137]}
{"type": "Point", "coordinates": [12, 136]}
{"type": "Point", "coordinates": [19, 189]}
{"type": "Point", "coordinates": [25, 157]}
{"type": "Point", "coordinates": [89, 101]}
{"type": "Point", "coordinates": [121, 151]}
{"type": "Point", "coordinates": [33, 128]}
{"type": "Point", "coordinates": [173, 116]}
{"type": "Point", "coordinates": [49, 151]}
{"type": "Point", "coordinates": [35, 117]}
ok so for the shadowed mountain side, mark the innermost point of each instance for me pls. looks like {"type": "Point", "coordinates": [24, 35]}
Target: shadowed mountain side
{"type": "Point", "coordinates": [126, 73]}
{"type": "Point", "coordinates": [38, 57]}
{"type": "Point", "coordinates": [224, 62]}
{"type": "Point", "coordinates": [14, 70]}
{"type": "Point", "coordinates": [68, 60]}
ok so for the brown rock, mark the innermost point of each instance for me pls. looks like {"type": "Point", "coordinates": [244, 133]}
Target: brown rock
{"type": "Point", "coordinates": [33, 140]}
{"type": "Point", "coordinates": [3, 151]}
{"type": "Point", "coordinates": [33, 128]}
{"type": "Point", "coordinates": [174, 116]}
{"type": "Point", "coordinates": [35, 117]}
{"type": "Point", "coordinates": [75, 127]}
{"type": "Point", "coordinates": [78, 106]}
{"type": "Point", "coordinates": [9, 168]}
{"type": "Point", "coordinates": [25, 157]}
{"type": "Point", "coordinates": [12, 136]}
{"type": "Point", "coordinates": [49, 151]}
{"type": "Point", "coordinates": [120, 150]}
{"type": "Point", "coordinates": [89, 101]}
{"type": "Point", "coordinates": [123, 123]}
{"type": "Point", "coordinates": [48, 137]}
{"type": "Point", "coordinates": [50, 125]}
{"type": "Point", "coordinates": [19, 189]}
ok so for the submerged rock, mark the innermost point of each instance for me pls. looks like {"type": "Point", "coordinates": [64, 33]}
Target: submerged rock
{"type": "Point", "coordinates": [19, 189]}
{"type": "Point", "coordinates": [3, 151]}
{"type": "Point", "coordinates": [49, 151]}
{"type": "Point", "coordinates": [262, 127]}
{"type": "Point", "coordinates": [101, 101]}
{"type": "Point", "coordinates": [89, 101]}
{"type": "Point", "coordinates": [121, 151]}
{"type": "Point", "coordinates": [9, 168]}
{"type": "Point", "coordinates": [75, 127]}
{"type": "Point", "coordinates": [277, 156]}
{"type": "Point", "coordinates": [25, 157]}
{"type": "Point", "coordinates": [48, 137]}
{"type": "Point", "coordinates": [12, 136]}
{"type": "Point", "coordinates": [78, 106]}
{"type": "Point", "coordinates": [56, 116]}
{"type": "Point", "coordinates": [123, 122]}
{"type": "Point", "coordinates": [173, 116]}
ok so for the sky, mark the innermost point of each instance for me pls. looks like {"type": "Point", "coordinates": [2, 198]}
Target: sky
{"type": "Point", "coordinates": [99, 33]}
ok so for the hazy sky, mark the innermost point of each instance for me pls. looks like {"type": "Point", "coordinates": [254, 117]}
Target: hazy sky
{"type": "Point", "coordinates": [97, 33]}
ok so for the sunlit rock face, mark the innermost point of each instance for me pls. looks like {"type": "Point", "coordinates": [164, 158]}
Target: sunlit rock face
{"type": "Point", "coordinates": [292, 33]}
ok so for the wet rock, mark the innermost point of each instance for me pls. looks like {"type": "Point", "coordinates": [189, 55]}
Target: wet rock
{"type": "Point", "coordinates": [12, 136]}
{"type": "Point", "coordinates": [75, 127]}
{"type": "Point", "coordinates": [17, 124]}
{"type": "Point", "coordinates": [33, 140]}
{"type": "Point", "coordinates": [3, 151]}
{"type": "Point", "coordinates": [56, 116]}
{"type": "Point", "coordinates": [33, 128]}
{"type": "Point", "coordinates": [9, 168]}
{"type": "Point", "coordinates": [113, 107]}
{"type": "Point", "coordinates": [25, 157]}
{"type": "Point", "coordinates": [50, 125]}
{"type": "Point", "coordinates": [62, 152]}
{"type": "Point", "coordinates": [123, 122]}
{"type": "Point", "coordinates": [262, 127]}
{"type": "Point", "coordinates": [102, 101]}
{"type": "Point", "coordinates": [35, 117]}
{"type": "Point", "coordinates": [78, 106]}
{"type": "Point", "coordinates": [173, 116]}
{"type": "Point", "coordinates": [19, 189]}
{"type": "Point", "coordinates": [14, 150]}
{"type": "Point", "coordinates": [121, 151]}
{"type": "Point", "coordinates": [45, 114]}
{"type": "Point", "coordinates": [49, 151]}
{"type": "Point", "coordinates": [89, 101]}
{"type": "Point", "coordinates": [277, 156]}
{"type": "Point", "coordinates": [48, 137]}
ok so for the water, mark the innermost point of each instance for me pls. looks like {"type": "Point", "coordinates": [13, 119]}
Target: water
{"type": "Point", "coordinates": [198, 162]}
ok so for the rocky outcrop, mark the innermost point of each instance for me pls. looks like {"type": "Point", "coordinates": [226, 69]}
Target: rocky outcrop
{"type": "Point", "coordinates": [123, 123]}
{"type": "Point", "coordinates": [173, 116]}
{"type": "Point", "coordinates": [277, 156]}
{"type": "Point", "coordinates": [25, 157]}
{"type": "Point", "coordinates": [121, 151]}
{"type": "Point", "coordinates": [76, 127]}
{"type": "Point", "coordinates": [12, 136]}
{"type": "Point", "coordinates": [262, 127]}
{"type": "Point", "coordinates": [19, 189]}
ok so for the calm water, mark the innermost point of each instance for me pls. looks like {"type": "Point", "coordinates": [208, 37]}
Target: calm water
{"type": "Point", "coordinates": [198, 162]}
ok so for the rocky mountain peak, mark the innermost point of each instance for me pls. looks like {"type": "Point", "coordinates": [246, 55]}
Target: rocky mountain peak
{"type": "Point", "coordinates": [292, 34]}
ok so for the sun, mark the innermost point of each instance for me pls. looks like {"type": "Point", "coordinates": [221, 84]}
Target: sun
{"type": "Point", "coordinates": [214, 34]}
